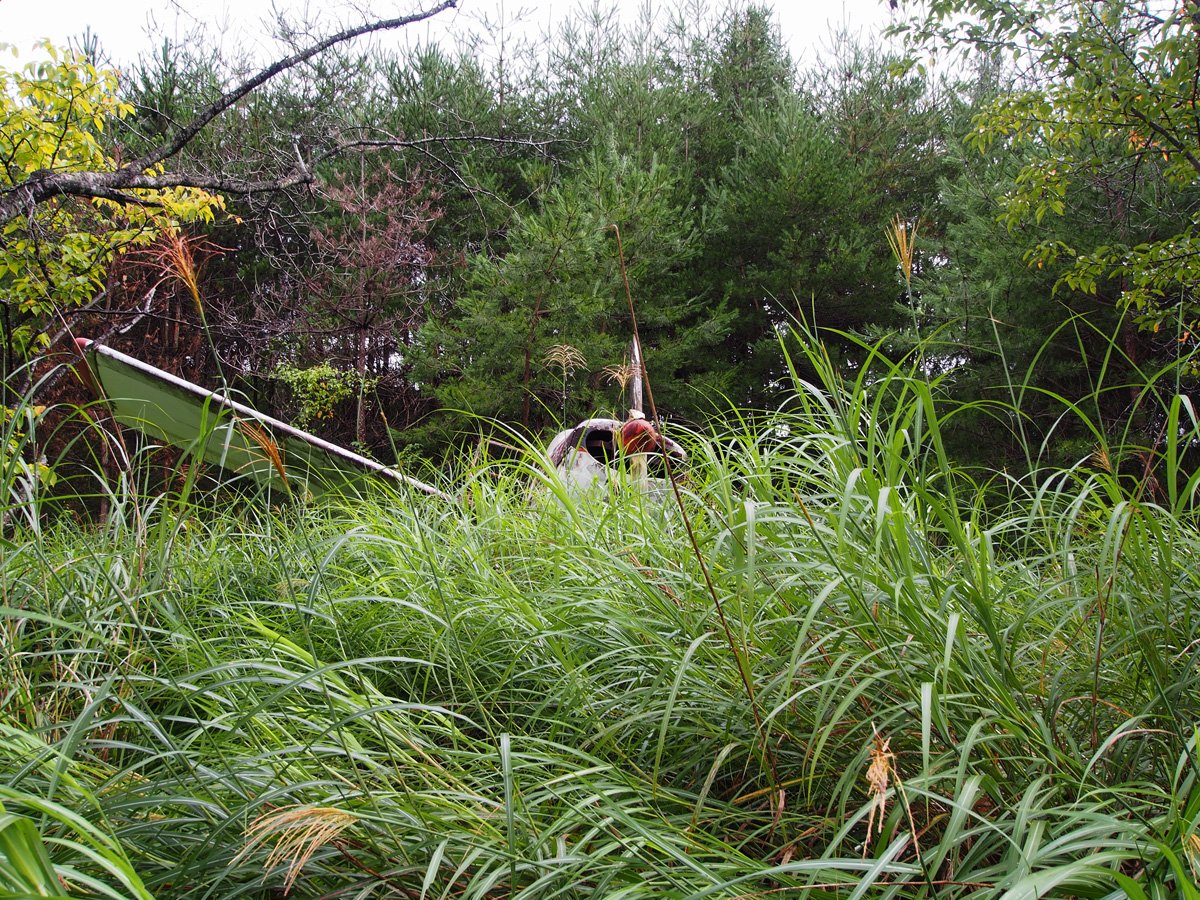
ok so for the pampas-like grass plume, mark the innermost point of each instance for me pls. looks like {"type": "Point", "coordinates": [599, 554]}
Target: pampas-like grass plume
{"type": "Point", "coordinates": [272, 453]}
{"type": "Point", "coordinates": [300, 833]}
{"type": "Point", "coordinates": [879, 771]}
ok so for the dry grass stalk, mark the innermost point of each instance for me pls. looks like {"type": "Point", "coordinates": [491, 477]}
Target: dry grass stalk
{"type": "Point", "coordinates": [903, 239]}
{"type": "Point", "coordinates": [880, 771]}
{"type": "Point", "coordinates": [878, 774]}
{"type": "Point", "coordinates": [565, 358]}
{"type": "Point", "coordinates": [300, 833]}
{"type": "Point", "coordinates": [271, 451]}
{"type": "Point", "coordinates": [179, 259]}
{"type": "Point", "coordinates": [620, 375]}
{"type": "Point", "coordinates": [1101, 461]}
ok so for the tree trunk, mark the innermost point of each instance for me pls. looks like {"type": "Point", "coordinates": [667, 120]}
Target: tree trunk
{"type": "Point", "coordinates": [537, 308]}
{"type": "Point", "coordinates": [360, 425]}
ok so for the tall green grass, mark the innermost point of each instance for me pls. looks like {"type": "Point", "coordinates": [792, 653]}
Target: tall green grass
{"type": "Point", "coordinates": [526, 693]}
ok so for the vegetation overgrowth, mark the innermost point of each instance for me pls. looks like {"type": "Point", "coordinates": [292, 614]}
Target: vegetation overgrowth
{"type": "Point", "coordinates": [410, 238]}
{"type": "Point", "coordinates": [836, 665]}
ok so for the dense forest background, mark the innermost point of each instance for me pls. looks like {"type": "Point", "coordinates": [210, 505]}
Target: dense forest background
{"type": "Point", "coordinates": [919, 616]}
{"type": "Point", "coordinates": [456, 264]}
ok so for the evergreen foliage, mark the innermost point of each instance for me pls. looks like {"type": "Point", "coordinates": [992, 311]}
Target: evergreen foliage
{"type": "Point", "coordinates": [1105, 103]}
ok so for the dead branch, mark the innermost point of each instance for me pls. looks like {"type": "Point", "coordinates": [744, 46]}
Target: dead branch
{"type": "Point", "coordinates": [44, 185]}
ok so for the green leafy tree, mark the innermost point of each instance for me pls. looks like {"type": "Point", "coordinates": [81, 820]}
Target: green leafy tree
{"type": "Point", "coordinates": [749, 73]}
{"type": "Point", "coordinates": [71, 196]}
{"type": "Point", "coordinates": [744, 200]}
{"type": "Point", "coordinates": [1010, 326]}
{"type": "Point", "coordinates": [54, 118]}
{"type": "Point", "coordinates": [1003, 330]}
{"type": "Point", "coordinates": [1108, 94]}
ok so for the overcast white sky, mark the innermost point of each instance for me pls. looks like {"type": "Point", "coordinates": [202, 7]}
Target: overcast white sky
{"type": "Point", "coordinates": [122, 25]}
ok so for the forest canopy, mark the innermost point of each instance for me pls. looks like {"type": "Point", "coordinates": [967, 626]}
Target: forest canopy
{"type": "Point", "coordinates": [910, 612]}
{"type": "Point", "coordinates": [434, 231]}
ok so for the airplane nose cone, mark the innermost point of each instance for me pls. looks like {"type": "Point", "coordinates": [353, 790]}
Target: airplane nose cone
{"type": "Point", "coordinates": [639, 436]}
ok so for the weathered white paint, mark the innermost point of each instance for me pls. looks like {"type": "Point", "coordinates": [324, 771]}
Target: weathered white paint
{"type": "Point", "coordinates": [589, 458]}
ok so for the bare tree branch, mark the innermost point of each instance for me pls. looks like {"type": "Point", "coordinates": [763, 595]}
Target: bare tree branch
{"type": "Point", "coordinates": [44, 185]}
{"type": "Point", "coordinates": [382, 143]}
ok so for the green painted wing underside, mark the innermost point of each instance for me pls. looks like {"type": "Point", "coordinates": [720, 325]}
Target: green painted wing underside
{"type": "Point", "coordinates": [226, 433]}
